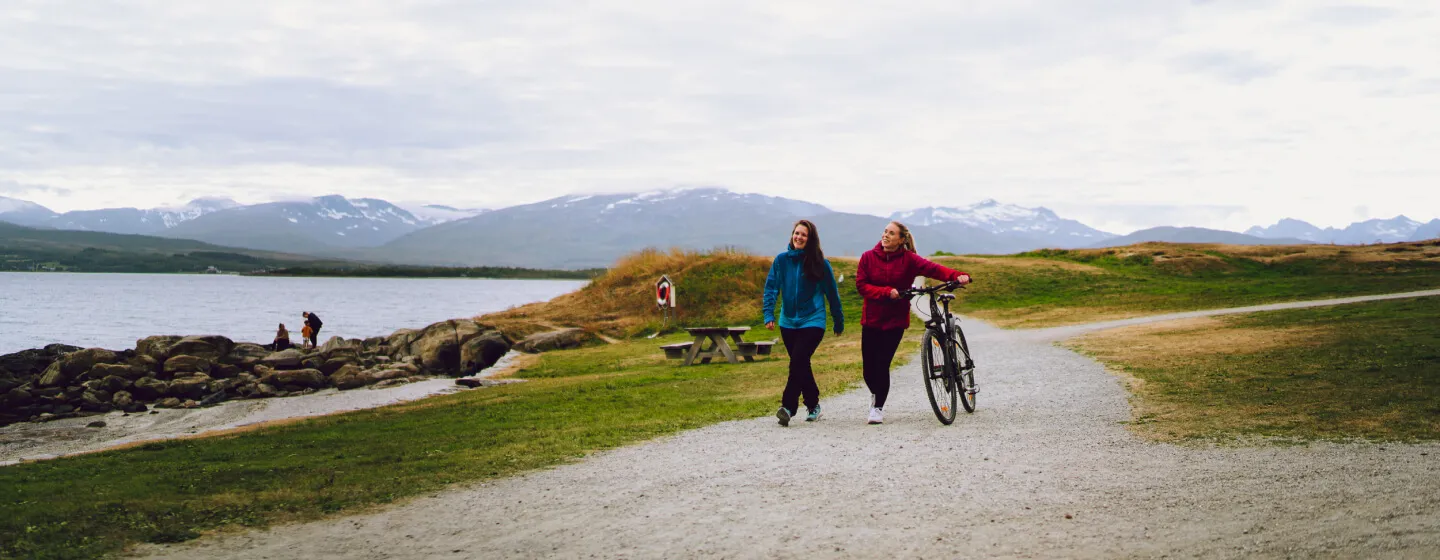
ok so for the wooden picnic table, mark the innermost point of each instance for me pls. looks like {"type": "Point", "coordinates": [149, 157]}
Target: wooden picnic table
{"type": "Point", "coordinates": [719, 339]}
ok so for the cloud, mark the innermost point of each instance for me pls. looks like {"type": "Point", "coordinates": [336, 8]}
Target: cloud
{"type": "Point", "coordinates": [1253, 105]}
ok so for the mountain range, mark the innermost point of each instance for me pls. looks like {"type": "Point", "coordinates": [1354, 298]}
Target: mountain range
{"type": "Point", "coordinates": [583, 231]}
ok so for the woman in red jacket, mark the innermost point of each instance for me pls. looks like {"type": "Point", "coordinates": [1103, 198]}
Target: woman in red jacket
{"type": "Point", "coordinates": [883, 271]}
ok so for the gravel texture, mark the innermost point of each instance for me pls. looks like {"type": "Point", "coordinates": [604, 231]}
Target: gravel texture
{"type": "Point", "coordinates": [1044, 468]}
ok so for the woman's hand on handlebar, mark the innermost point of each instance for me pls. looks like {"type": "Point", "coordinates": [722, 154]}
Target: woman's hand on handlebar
{"type": "Point", "coordinates": [894, 293]}
{"type": "Point", "coordinates": [963, 279]}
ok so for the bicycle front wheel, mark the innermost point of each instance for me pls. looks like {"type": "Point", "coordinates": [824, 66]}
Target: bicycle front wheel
{"type": "Point", "coordinates": [940, 385]}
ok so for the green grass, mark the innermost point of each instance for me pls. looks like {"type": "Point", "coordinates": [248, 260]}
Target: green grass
{"type": "Point", "coordinates": [576, 403]}
{"type": "Point", "coordinates": [1367, 370]}
{"type": "Point", "coordinates": [1014, 292]}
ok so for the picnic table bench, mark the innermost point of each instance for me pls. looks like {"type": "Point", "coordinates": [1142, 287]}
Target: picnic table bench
{"type": "Point", "coordinates": [724, 342]}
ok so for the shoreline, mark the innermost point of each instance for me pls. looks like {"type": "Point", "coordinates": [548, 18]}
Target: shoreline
{"type": "Point", "coordinates": [25, 442]}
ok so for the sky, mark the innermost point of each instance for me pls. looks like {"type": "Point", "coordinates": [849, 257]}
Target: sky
{"type": "Point", "coordinates": [1121, 114]}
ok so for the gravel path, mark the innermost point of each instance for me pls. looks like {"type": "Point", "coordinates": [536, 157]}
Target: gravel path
{"type": "Point", "coordinates": [1044, 469]}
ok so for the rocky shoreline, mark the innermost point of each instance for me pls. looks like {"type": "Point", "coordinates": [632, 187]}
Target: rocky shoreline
{"type": "Point", "coordinates": [172, 371]}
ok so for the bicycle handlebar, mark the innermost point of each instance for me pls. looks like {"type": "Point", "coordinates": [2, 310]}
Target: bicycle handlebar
{"type": "Point", "coordinates": [943, 287]}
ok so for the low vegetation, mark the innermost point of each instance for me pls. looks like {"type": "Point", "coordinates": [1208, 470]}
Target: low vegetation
{"type": "Point", "coordinates": [1365, 370]}
{"type": "Point", "coordinates": [1059, 287]}
{"type": "Point", "coordinates": [576, 402]}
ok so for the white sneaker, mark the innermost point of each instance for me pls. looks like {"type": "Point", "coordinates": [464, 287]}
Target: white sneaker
{"type": "Point", "coordinates": [876, 417]}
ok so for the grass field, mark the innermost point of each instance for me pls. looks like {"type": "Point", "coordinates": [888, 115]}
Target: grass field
{"type": "Point", "coordinates": [1057, 287]}
{"type": "Point", "coordinates": [1366, 370]}
{"type": "Point", "coordinates": [576, 402]}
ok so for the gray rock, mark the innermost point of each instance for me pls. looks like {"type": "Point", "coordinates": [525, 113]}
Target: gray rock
{"type": "Point", "coordinates": [299, 377]}
{"type": "Point", "coordinates": [149, 388]}
{"type": "Point", "coordinates": [246, 355]}
{"type": "Point", "coordinates": [185, 364]}
{"type": "Point", "coordinates": [334, 364]}
{"type": "Point", "coordinates": [482, 351]}
{"type": "Point", "coordinates": [81, 361]}
{"type": "Point", "coordinates": [192, 387]}
{"type": "Point", "coordinates": [224, 371]}
{"type": "Point", "coordinates": [126, 371]}
{"type": "Point", "coordinates": [122, 400]}
{"type": "Point", "coordinates": [52, 377]}
{"type": "Point", "coordinates": [555, 340]}
{"type": "Point", "coordinates": [209, 347]}
{"type": "Point", "coordinates": [266, 390]}
{"type": "Point", "coordinates": [114, 383]}
{"type": "Point", "coordinates": [156, 347]}
{"type": "Point", "coordinates": [349, 376]}
{"type": "Point", "coordinates": [288, 358]}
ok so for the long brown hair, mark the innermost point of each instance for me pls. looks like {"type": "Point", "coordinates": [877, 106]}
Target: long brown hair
{"type": "Point", "coordinates": [814, 259]}
{"type": "Point", "coordinates": [909, 240]}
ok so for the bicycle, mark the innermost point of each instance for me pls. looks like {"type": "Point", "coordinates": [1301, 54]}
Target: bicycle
{"type": "Point", "coordinates": [945, 357]}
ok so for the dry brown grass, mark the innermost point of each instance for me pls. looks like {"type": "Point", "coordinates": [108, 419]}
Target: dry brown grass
{"type": "Point", "coordinates": [721, 286]}
{"type": "Point", "coordinates": [1174, 346]}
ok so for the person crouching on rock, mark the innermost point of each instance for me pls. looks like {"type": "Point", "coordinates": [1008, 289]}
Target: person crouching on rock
{"type": "Point", "coordinates": [802, 279]}
{"type": "Point", "coordinates": [282, 338]}
{"type": "Point", "coordinates": [312, 322]}
{"type": "Point", "coordinates": [883, 271]}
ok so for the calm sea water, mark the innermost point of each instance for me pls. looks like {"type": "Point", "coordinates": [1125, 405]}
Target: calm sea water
{"type": "Point", "coordinates": [113, 310]}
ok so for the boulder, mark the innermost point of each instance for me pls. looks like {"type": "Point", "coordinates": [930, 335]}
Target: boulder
{"type": "Point", "coordinates": [372, 345]}
{"type": "Point", "coordinates": [399, 342]}
{"type": "Point", "coordinates": [52, 377]}
{"type": "Point", "coordinates": [192, 387]}
{"type": "Point", "coordinates": [224, 371]}
{"type": "Point", "coordinates": [169, 402]}
{"type": "Point", "coordinates": [226, 385]}
{"type": "Point", "coordinates": [334, 364]}
{"type": "Point", "coordinates": [18, 397]}
{"type": "Point", "coordinates": [349, 376]}
{"type": "Point", "coordinates": [81, 361]}
{"type": "Point", "coordinates": [555, 340]}
{"type": "Point", "coordinates": [181, 365]}
{"type": "Point", "coordinates": [337, 343]}
{"type": "Point", "coordinates": [438, 345]}
{"type": "Point", "coordinates": [95, 400]}
{"type": "Point", "coordinates": [209, 347]}
{"type": "Point", "coordinates": [122, 400]}
{"type": "Point", "coordinates": [313, 361]}
{"type": "Point", "coordinates": [156, 347]}
{"type": "Point", "coordinates": [482, 351]}
{"type": "Point", "coordinates": [149, 388]}
{"type": "Point", "coordinates": [283, 359]}
{"type": "Point", "coordinates": [146, 364]}
{"type": "Point", "coordinates": [114, 383]}
{"type": "Point", "coordinates": [26, 364]}
{"type": "Point", "coordinates": [301, 377]}
{"type": "Point", "coordinates": [266, 390]}
{"type": "Point", "coordinates": [101, 371]}
{"type": "Point", "coordinates": [246, 355]}
{"type": "Point", "coordinates": [382, 375]}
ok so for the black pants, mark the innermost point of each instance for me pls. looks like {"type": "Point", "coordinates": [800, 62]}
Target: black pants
{"type": "Point", "coordinates": [801, 345]}
{"type": "Point", "coordinates": [314, 335]}
{"type": "Point", "coordinates": [877, 349]}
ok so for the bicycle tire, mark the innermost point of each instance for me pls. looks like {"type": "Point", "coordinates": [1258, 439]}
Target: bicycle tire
{"type": "Point", "coordinates": [940, 384]}
{"type": "Point", "coordinates": [966, 368]}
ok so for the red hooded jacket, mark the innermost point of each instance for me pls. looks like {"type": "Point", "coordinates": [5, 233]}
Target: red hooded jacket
{"type": "Point", "coordinates": [879, 271]}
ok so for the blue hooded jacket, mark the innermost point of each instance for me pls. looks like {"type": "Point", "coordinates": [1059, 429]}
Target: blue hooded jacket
{"type": "Point", "coordinates": [803, 299]}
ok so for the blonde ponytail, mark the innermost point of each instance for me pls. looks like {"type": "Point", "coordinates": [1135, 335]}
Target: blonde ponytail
{"type": "Point", "coordinates": [909, 240]}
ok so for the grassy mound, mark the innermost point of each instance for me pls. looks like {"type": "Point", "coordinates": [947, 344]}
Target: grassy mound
{"type": "Point", "coordinates": [720, 287]}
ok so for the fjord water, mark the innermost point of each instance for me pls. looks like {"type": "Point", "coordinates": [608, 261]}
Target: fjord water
{"type": "Point", "coordinates": [113, 310]}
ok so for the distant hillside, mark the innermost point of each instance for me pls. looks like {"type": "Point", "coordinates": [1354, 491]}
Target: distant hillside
{"type": "Point", "coordinates": [24, 248]}
{"type": "Point", "coordinates": [1194, 235]}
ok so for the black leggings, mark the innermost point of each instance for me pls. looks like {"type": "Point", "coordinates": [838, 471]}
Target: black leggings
{"type": "Point", "coordinates": [801, 344]}
{"type": "Point", "coordinates": [877, 349]}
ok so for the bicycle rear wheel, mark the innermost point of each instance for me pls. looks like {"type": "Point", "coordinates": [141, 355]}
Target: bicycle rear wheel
{"type": "Point", "coordinates": [967, 372]}
{"type": "Point", "coordinates": [940, 385]}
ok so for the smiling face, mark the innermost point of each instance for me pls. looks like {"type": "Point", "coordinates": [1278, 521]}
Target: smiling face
{"type": "Point", "coordinates": [799, 236]}
{"type": "Point", "coordinates": [891, 238]}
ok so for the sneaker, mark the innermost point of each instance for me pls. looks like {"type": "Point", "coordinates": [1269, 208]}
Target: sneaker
{"type": "Point", "coordinates": [876, 417]}
{"type": "Point", "coordinates": [814, 414]}
{"type": "Point", "coordinates": [784, 416]}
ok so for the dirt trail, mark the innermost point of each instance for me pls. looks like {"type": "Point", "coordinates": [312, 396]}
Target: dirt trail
{"type": "Point", "coordinates": [1045, 468]}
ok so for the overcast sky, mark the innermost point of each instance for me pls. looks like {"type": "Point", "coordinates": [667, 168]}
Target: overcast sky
{"type": "Point", "coordinates": [1122, 114]}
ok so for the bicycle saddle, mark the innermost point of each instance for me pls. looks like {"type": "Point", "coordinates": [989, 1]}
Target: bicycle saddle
{"type": "Point", "coordinates": [947, 297]}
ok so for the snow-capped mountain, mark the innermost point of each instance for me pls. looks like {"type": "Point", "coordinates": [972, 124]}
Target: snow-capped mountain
{"type": "Point", "coordinates": [316, 225]}
{"type": "Point", "coordinates": [431, 214]}
{"type": "Point", "coordinates": [24, 212]}
{"type": "Point", "coordinates": [1399, 228]}
{"type": "Point", "coordinates": [1036, 227]}
{"type": "Point", "coordinates": [1430, 230]}
{"type": "Point", "coordinates": [136, 221]}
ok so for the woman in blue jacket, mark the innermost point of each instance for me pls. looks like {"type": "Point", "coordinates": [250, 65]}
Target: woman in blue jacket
{"type": "Point", "coordinates": [803, 280]}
